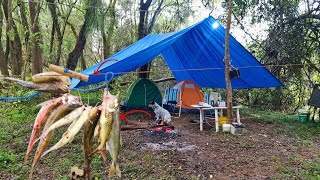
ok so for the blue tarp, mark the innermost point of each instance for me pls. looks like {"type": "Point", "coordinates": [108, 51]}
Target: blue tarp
{"type": "Point", "coordinates": [195, 54]}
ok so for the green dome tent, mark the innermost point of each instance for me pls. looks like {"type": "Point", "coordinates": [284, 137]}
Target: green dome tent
{"type": "Point", "coordinates": [141, 93]}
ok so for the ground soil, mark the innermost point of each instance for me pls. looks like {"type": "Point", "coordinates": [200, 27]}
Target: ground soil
{"type": "Point", "coordinates": [188, 153]}
{"type": "Point", "coordinates": [256, 154]}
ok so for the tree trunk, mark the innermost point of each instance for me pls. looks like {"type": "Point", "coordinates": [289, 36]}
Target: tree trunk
{"type": "Point", "coordinates": [227, 64]}
{"type": "Point", "coordinates": [14, 41]}
{"type": "Point", "coordinates": [83, 63]}
{"type": "Point", "coordinates": [142, 32]}
{"type": "Point", "coordinates": [112, 15]}
{"type": "Point", "coordinates": [81, 40]}
{"type": "Point", "coordinates": [51, 41]}
{"type": "Point", "coordinates": [25, 24]}
{"type": "Point", "coordinates": [3, 59]}
{"type": "Point", "coordinates": [24, 21]}
{"type": "Point", "coordinates": [53, 11]}
{"type": "Point", "coordinates": [78, 49]}
{"type": "Point", "coordinates": [36, 57]}
{"type": "Point", "coordinates": [104, 43]}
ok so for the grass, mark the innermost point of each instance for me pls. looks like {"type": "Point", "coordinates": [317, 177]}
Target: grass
{"type": "Point", "coordinates": [16, 119]}
{"type": "Point", "coordinates": [304, 134]}
{"type": "Point", "coordinates": [291, 126]}
{"type": "Point", "coordinates": [309, 169]}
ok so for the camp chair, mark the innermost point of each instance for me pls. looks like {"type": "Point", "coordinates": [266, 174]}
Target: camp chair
{"type": "Point", "coordinates": [212, 98]}
{"type": "Point", "coordinates": [172, 98]}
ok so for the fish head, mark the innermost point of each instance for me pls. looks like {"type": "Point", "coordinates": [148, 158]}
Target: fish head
{"type": "Point", "coordinates": [71, 100]}
{"type": "Point", "coordinates": [112, 102]}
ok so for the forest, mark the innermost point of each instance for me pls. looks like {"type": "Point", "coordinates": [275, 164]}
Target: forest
{"type": "Point", "coordinates": [283, 35]}
{"type": "Point", "coordinates": [78, 34]}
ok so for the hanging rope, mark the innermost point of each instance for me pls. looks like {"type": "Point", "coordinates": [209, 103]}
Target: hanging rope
{"type": "Point", "coordinates": [108, 80]}
{"type": "Point", "coordinates": [19, 98]}
{"type": "Point", "coordinates": [89, 90]}
{"type": "Point", "coordinates": [105, 85]}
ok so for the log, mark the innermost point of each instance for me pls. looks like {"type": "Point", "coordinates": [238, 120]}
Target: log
{"type": "Point", "coordinates": [126, 128]}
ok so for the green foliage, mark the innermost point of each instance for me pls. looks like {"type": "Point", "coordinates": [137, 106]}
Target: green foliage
{"type": "Point", "coordinates": [6, 157]}
{"type": "Point", "coordinates": [290, 124]}
{"type": "Point", "coordinates": [290, 40]}
{"type": "Point", "coordinates": [309, 169]}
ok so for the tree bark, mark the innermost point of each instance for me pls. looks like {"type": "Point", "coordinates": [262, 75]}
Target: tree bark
{"type": "Point", "coordinates": [81, 40]}
{"type": "Point", "coordinates": [24, 21]}
{"type": "Point", "coordinates": [104, 42]}
{"type": "Point", "coordinates": [14, 41]}
{"type": "Point", "coordinates": [78, 49]}
{"type": "Point", "coordinates": [52, 41]}
{"type": "Point", "coordinates": [3, 59]}
{"type": "Point", "coordinates": [142, 32]}
{"type": "Point", "coordinates": [227, 64]}
{"type": "Point", "coordinates": [36, 57]}
{"type": "Point", "coordinates": [112, 15]}
{"type": "Point", "coordinates": [83, 63]}
{"type": "Point", "coordinates": [53, 11]}
{"type": "Point", "coordinates": [25, 24]}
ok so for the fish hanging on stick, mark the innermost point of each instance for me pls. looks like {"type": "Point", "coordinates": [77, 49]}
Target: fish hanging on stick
{"type": "Point", "coordinates": [114, 141]}
{"type": "Point", "coordinates": [41, 118]}
{"type": "Point", "coordinates": [73, 129]}
{"type": "Point", "coordinates": [50, 77]}
{"type": "Point", "coordinates": [108, 106]}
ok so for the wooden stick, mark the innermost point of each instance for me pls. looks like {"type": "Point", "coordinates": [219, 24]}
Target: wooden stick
{"type": "Point", "coordinates": [126, 128]}
{"type": "Point", "coordinates": [67, 72]}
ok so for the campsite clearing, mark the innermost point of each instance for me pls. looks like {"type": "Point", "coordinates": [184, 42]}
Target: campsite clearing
{"type": "Point", "coordinates": [274, 146]}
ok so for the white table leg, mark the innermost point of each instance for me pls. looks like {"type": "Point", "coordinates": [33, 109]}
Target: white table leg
{"type": "Point", "coordinates": [238, 115]}
{"type": "Point", "coordinates": [201, 119]}
{"type": "Point", "coordinates": [216, 119]}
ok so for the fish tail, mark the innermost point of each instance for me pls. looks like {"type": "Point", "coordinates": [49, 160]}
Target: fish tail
{"type": "Point", "coordinates": [51, 149]}
{"type": "Point", "coordinates": [45, 153]}
{"type": "Point", "coordinates": [32, 169]}
{"type": "Point", "coordinates": [102, 152]}
{"type": "Point", "coordinates": [114, 169]}
{"type": "Point", "coordinates": [118, 172]}
{"type": "Point", "coordinates": [25, 160]}
{"type": "Point", "coordinates": [31, 174]}
{"type": "Point", "coordinates": [28, 152]}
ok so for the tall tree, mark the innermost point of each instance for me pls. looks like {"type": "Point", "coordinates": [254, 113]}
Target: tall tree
{"type": "Point", "coordinates": [144, 29]}
{"type": "Point", "coordinates": [26, 35]}
{"type": "Point", "coordinates": [227, 63]}
{"type": "Point", "coordinates": [14, 40]}
{"type": "Point", "coordinates": [112, 17]}
{"type": "Point", "coordinates": [37, 59]}
{"type": "Point", "coordinates": [56, 25]}
{"type": "Point", "coordinates": [3, 59]}
{"type": "Point", "coordinates": [292, 37]}
{"type": "Point", "coordinates": [90, 19]}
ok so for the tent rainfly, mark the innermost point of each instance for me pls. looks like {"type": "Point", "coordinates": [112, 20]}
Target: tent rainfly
{"type": "Point", "coordinates": [189, 93]}
{"type": "Point", "coordinates": [195, 54]}
{"type": "Point", "coordinates": [141, 92]}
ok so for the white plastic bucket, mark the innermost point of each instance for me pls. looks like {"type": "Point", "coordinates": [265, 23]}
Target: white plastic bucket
{"type": "Point", "coordinates": [226, 127]}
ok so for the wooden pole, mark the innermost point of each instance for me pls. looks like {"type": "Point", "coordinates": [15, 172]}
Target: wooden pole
{"type": "Point", "coordinates": [227, 64]}
{"type": "Point", "coordinates": [67, 72]}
